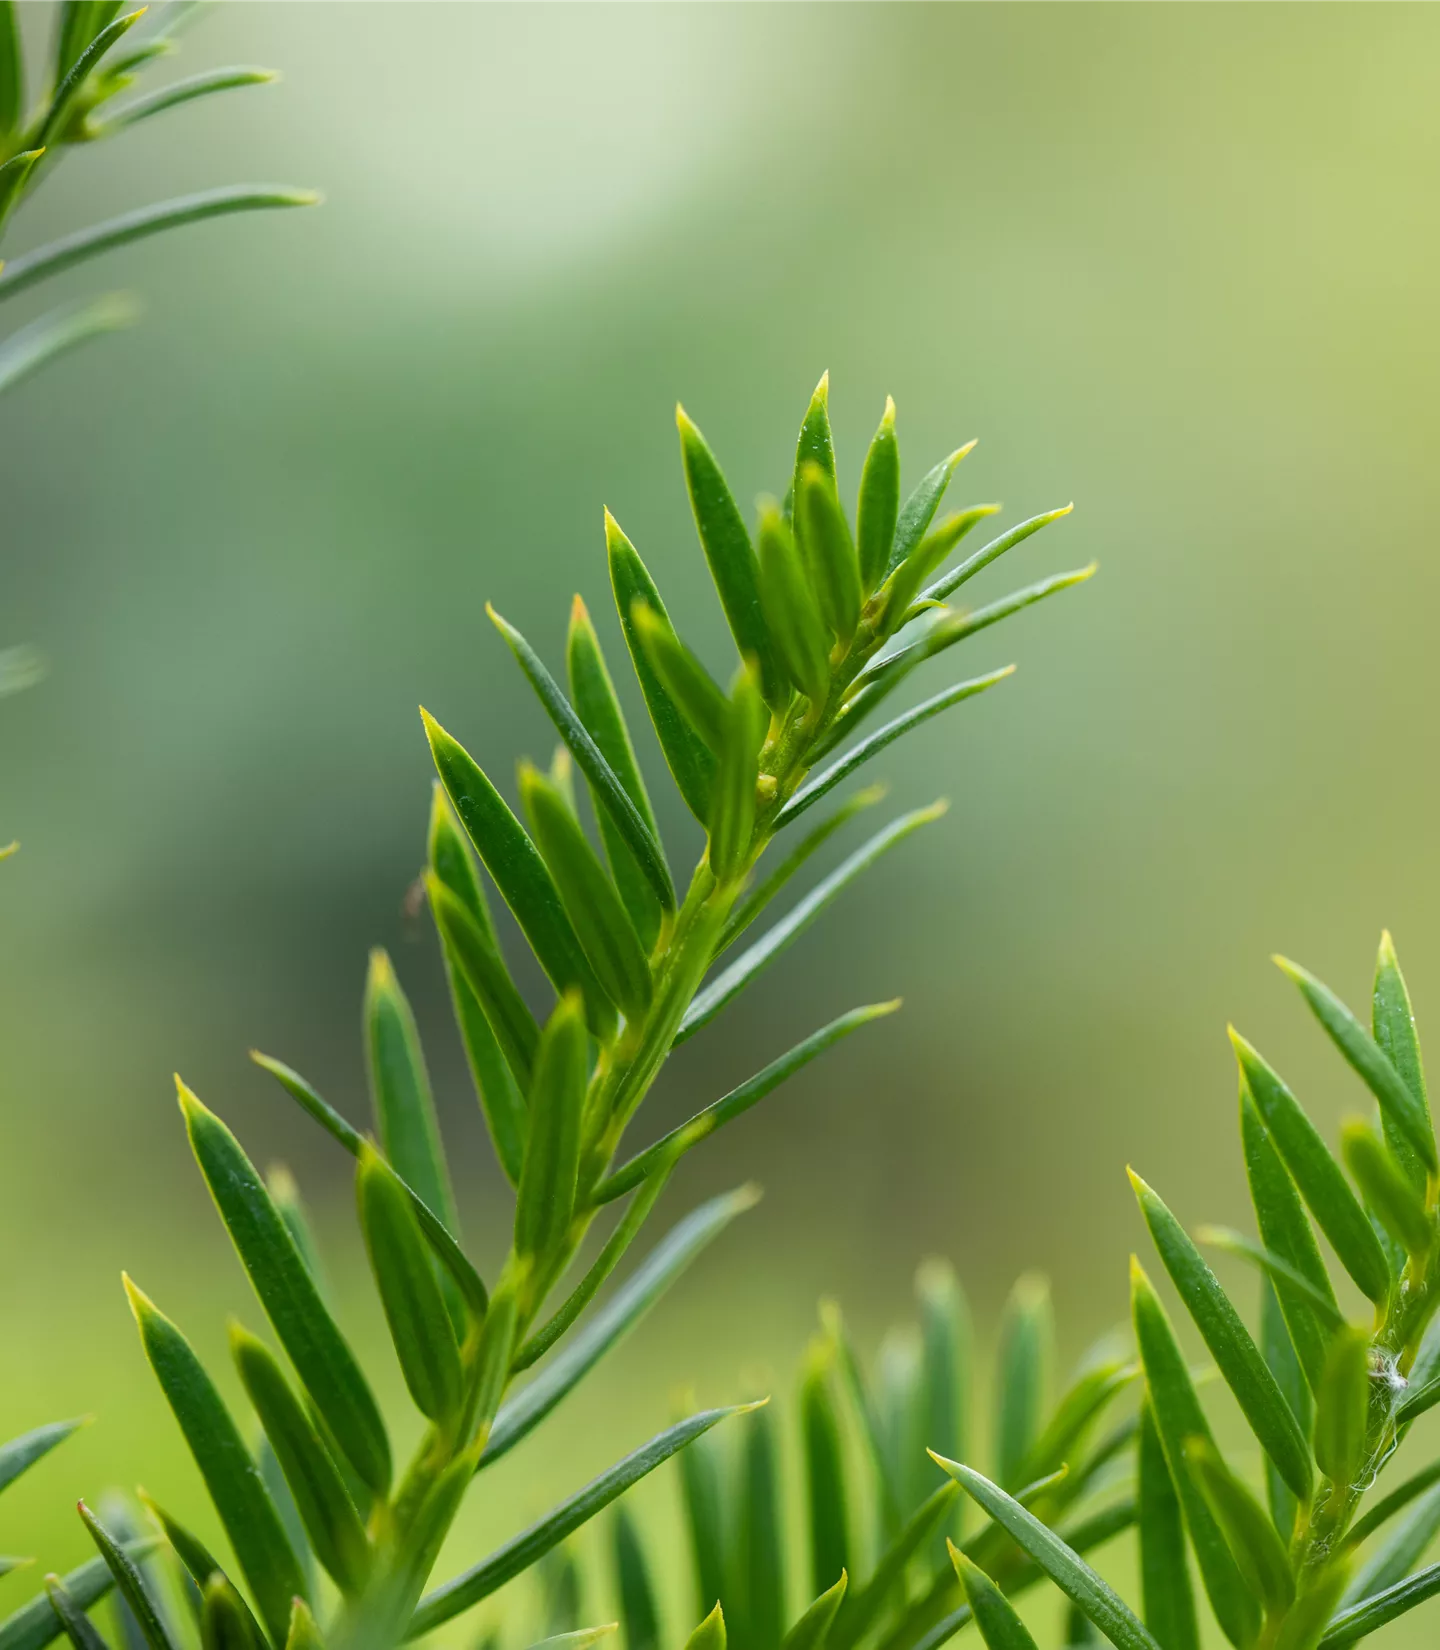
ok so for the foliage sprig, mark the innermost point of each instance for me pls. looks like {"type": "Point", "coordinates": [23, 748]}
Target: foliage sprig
{"type": "Point", "coordinates": [827, 622]}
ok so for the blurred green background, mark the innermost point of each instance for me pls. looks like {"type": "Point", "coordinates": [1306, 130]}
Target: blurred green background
{"type": "Point", "coordinates": [1175, 263]}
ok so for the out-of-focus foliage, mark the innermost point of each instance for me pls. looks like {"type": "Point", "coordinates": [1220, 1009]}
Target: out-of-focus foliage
{"type": "Point", "coordinates": [94, 59]}
{"type": "Point", "coordinates": [878, 1514]}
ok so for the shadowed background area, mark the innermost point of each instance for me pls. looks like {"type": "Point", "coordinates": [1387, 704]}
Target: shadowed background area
{"type": "Point", "coordinates": [1176, 264]}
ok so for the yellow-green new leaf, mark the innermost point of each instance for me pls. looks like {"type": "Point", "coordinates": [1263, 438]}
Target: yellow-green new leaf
{"type": "Point", "coordinates": [1335, 1207]}
{"type": "Point", "coordinates": [415, 1310]}
{"type": "Point", "coordinates": [598, 707]}
{"type": "Point", "coordinates": [581, 1638]}
{"type": "Point", "coordinates": [1342, 1406]}
{"type": "Point", "coordinates": [949, 582]}
{"type": "Point", "coordinates": [474, 958]}
{"type": "Point", "coordinates": [791, 611]}
{"type": "Point", "coordinates": [732, 808]}
{"type": "Point", "coordinates": [690, 759]}
{"type": "Point", "coordinates": [812, 1631]}
{"type": "Point", "coordinates": [501, 1096]}
{"type": "Point", "coordinates": [1406, 1110]}
{"type": "Point", "coordinates": [996, 1617]}
{"type": "Point", "coordinates": [900, 590]}
{"type": "Point", "coordinates": [1238, 1358]}
{"type": "Point", "coordinates": [827, 549]}
{"type": "Point", "coordinates": [400, 1092]}
{"type": "Point", "coordinates": [63, 99]}
{"type": "Point", "coordinates": [1287, 1235]}
{"type": "Point", "coordinates": [1254, 1545]}
{"type": "Point", "coordinates": [322, 1358]}
{"type": "Point", "coordinates": [284, 1192]}
{"type": "Point", "coordinates": [816, 442]}
{"type": "Point", "coordinates": [879, 504]}
{"type": "Point", "coordinates": [547, 1187]}
{"type": "Point", "coordinates": [1386, 1189]}
{"type": "Point", "coordinates": [1392, 1024]}
{"type": "Point", "coordinates": [181, 92]}
{"type": "Point", "coordinates": [591, 900]}
{"type": "Point", "coordinates": [256, 1533]}
{"type": "Point", "coordinates": [730, 556]}
{"type": "Point", "coordinates": [710, 1634]}
{"type": "Point", "coordinates": [520, 874]}
{"type": "Point", "coordinates": [303, 1634]}
{"type": "Point", "coordinates": [919, 509]}
{"type": "Point", "coordinates": [692, 689]}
